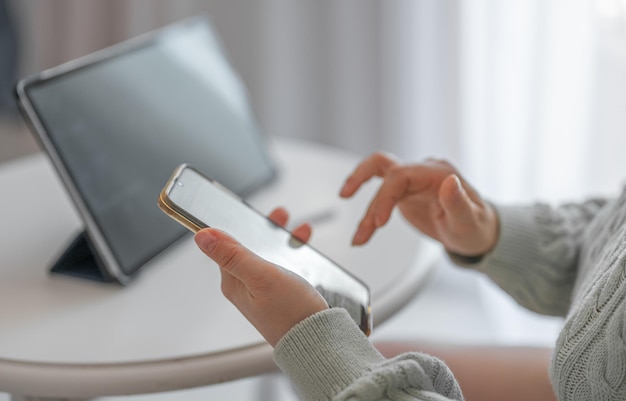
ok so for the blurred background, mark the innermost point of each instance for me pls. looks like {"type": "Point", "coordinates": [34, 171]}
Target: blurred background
{"type": "Point", "coordinates": [534, 88]}
{"type": "Point", "coordinates": [526, 97]}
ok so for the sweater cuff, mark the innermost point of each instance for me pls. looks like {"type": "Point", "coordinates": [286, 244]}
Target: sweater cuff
{"type": "Point", "coordinates": [324, 354]}
{"type": "Point", "coordinates": [518, 237]}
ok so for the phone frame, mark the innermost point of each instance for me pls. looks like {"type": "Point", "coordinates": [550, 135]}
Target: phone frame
{"type": "Point", "coordinates": [177, 213]}
{"type": "Point", "coordinates": [193, 224]}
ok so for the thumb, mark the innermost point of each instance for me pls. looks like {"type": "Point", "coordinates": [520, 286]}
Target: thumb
{"type": "Point", "coordinates": [454, 200]}
{"type": "Point", "coordinates": [229, 254]}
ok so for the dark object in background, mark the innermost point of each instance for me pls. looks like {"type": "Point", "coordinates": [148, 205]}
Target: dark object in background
{"type": "Point", "coordinates": [8, 59]}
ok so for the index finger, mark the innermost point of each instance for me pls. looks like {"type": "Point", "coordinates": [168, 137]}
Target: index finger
{"type": "Point", "coordinates": [375, 165]}
{"type": "Point", "coordinates": [399, 182]}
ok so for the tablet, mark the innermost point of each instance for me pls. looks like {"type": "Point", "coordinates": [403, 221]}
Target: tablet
{"type": "Point", "coordinates": [116, 123]}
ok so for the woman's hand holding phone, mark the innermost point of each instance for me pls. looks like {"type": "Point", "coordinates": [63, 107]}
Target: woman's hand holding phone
{"type": "Point", "coordinates": [273, 299]}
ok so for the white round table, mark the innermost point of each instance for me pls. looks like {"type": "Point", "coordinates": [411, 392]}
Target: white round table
{"type": "Point", "coordinates": [171, 328]}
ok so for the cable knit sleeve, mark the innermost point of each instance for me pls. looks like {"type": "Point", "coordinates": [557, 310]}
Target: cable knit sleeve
{"type": "Point", "coordinates": [536, 258]}
{"type": "Point", "coordinates": [326, 357]}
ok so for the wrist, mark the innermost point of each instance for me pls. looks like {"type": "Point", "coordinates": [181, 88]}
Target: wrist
{"type": "Point", "coordinates": [490, 234]}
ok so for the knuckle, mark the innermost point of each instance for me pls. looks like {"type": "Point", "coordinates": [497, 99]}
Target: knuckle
{"type": "Point", "coordinates": [447, 164]}
{"type": "Point", "coordinates": [437, 160]}
{"type": "Point", "coordinates": [397, 172]}
{"type": "Point", "coordinates": [378, 156]}
{"type": "Point", "coordinates": [382, 157]}
{"type": "Point", "coordinates": [440, 164]}
{"type": "Point", "coordinates": [230, 258]}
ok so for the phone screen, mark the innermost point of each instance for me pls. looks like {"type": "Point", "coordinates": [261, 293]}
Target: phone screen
{"type": "Point", "coordinates": [205, 203]}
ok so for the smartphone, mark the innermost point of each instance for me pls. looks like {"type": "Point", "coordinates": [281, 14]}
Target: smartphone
{"type": "Point", "coordinates": [197, 202]}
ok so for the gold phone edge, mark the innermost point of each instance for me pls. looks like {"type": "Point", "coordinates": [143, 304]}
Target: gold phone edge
{"type": "Point", "coordinates": [166, 206]}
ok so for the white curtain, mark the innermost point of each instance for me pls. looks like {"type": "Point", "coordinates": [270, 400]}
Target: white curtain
{"type": "Point", "coordinates": [543, 85]}
{"type": "Point", "coordinates": [537, 88]}
{"type": "Point", "coordinates": [364, 75]}
{"type": "Point", "coordinates": [527, 97]}
{"type": "Point", "coordinates": [359, 74]}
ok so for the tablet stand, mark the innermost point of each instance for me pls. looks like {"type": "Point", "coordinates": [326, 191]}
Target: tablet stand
{"type": "Point", "coordinates": [80, 260]}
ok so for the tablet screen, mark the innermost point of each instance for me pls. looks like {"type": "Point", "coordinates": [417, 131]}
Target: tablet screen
{"type": "Point", "coordinates": [122, 122]}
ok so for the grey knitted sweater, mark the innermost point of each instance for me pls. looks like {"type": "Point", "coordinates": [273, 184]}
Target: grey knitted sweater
{"type": "Point", "coordinates": [568, 261]}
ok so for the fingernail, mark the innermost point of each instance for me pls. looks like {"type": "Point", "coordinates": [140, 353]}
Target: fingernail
{"type": "Point", "coordinates": [358, 238]}
{"type": "Point", "coordinates": [206, 240]}
{"type": "Point", "coordinates": [343, 192]}
{"type": "Point", "coordinates": [458, 183]}
{"type": "Point", "coordinates": [345, 189]}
